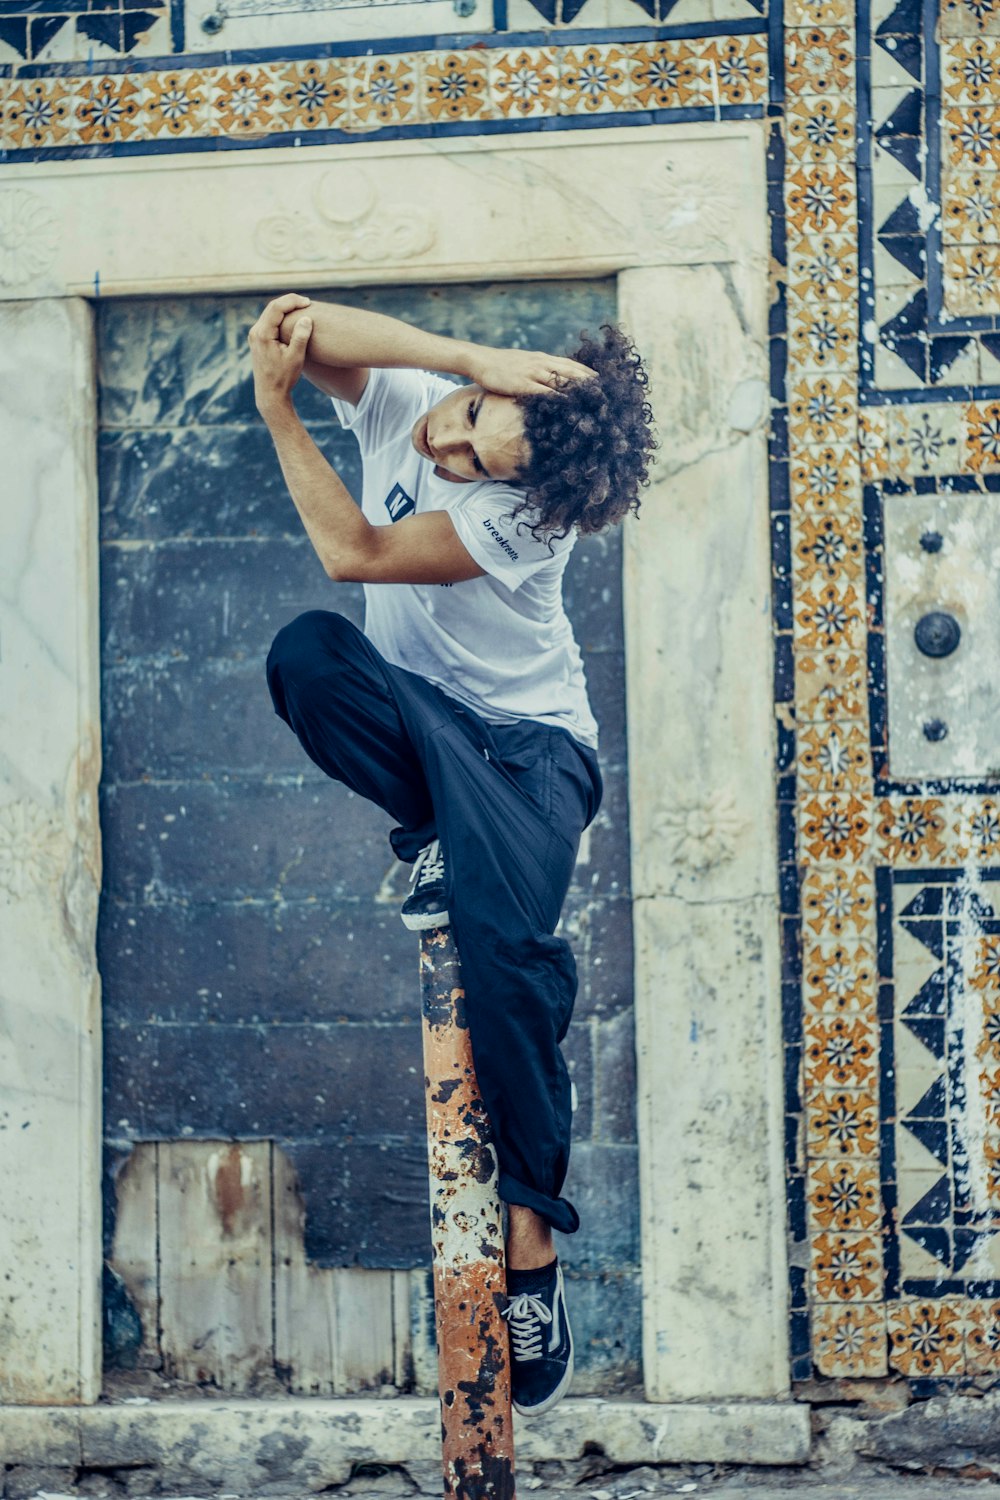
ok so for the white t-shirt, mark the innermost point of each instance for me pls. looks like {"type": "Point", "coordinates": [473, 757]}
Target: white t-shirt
{"type": "Point", "coordinates": [501, 643]}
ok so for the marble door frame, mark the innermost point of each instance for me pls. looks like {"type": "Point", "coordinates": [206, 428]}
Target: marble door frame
{"type": "Point", "coordinates": [678, 213]}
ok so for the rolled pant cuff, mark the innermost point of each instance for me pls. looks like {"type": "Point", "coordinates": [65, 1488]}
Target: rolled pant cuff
{"type": "Point", "coordinates": [558, 1212]}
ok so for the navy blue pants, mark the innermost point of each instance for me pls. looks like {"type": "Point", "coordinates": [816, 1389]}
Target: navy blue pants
{"type": "Point", "coordinates": [508, 803]}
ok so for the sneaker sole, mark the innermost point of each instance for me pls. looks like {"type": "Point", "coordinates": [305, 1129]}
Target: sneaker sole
{"type": "Point", "coordinates": [557, 1394]}
{"type": "Point", "coordinates": [423, 921]}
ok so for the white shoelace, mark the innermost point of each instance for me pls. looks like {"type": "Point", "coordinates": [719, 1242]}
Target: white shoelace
{"type": "Point", "coordinates": [525, 1315]}
{"type": "Point", "coordinates": [429, 866]}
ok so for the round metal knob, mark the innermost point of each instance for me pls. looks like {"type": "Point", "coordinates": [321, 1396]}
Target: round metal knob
{"type": "Point", "coordinates": [931, 541]}
{"type": "Point", "coordinates": [935, 729]}
{"type": "Point", "coordinates": [937, 634]}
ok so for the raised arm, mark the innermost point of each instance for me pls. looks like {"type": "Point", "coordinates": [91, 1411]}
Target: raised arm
{"type": "Point", "coordinates": [418, 549]}
{"type": "Point", "coordinates": [344, 342]}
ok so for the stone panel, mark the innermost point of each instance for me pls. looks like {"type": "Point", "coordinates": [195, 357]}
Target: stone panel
{"type": "Point", "coordinates": [50, 1063]}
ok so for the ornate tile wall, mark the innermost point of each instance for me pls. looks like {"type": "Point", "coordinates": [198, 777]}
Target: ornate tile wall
{"type": "Point", "coordinates": [886, 347]}
{"type": "Point", "coordinates": [884, 185]}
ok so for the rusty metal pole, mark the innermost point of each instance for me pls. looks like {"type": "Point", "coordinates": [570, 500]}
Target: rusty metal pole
{"type": "Point", "coordinates": [477, 1434]}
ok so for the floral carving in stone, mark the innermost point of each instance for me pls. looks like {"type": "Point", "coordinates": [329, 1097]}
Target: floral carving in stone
{"type": "Point", "coordinates": [350, 224]}
{"type": "Point", "coordinates": [27, 237]}
{"type": "Point", "coordinates": [702, 831]}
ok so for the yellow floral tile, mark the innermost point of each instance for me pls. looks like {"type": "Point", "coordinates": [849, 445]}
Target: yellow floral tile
{"type": "Point", "coordinates": [971, 280]}
{"type": "Point", "coordinates": [667, 75]}
{"type": "Point", "coordinates": [982, 1338]}
{"type": "Point", "coordinates": [981, 445]}
{"type": "Point", "coordinates": [970, 70]}
{"type": "Point", "coordinates": [244, 101]}
{"type": "Point", "coordinates": [820, 199]}
{"type": "Point", "coordinates": [971, 136]}
{"type": "Point", "coordinates": [455, 86]}
{"type": "Point", "coordinates": [819, 60]}
{"type": "Point", "coordinates": [827, 547]}
{"type": "Point", "coordinates": [108, 109]}
{"type": "Point", "coordinates": [829, 617]}
{"type": "Point", "coordinates": [822, 337]}
{"type": "Point", "coordinates": [809, 13]}
{"type": "Point", "coordinates": [873, 442]}
{"type": "Point", "coordinates": [970, 207]}
{"type": "Point", "coordinates": [926, 1338]}
{"type": "Point", "coordinates": [837, 903]}
{"type": "Point", "coordinates": [524, 84]}
{"type": "Point", "coordinates": [176, 103]}
{"type": "Point", "coordinates": [842, 1123]}
{"type": "Point", "coordinates": [840, 1052]}
{"type": "Point", "coordinates": [834, 827]}
{"type": "Point", "coordinates": [594, 80]}
{"type": "Point", "coordinates": [834, 757]}
{"type": "Point", "coordinates": [839, 977]}
{"type": "Point", "coordinates": [383, 91]}
{"type": "Point", "coordinates": [830, 687]}
{"type": "Point", "coordinates": [846, 1267]}
{"type": "Point", "coordinates": [823, 267]}
{"type": "Point", "coordinates": [985, 974]}
{"type": "Point", "coordinates": [821, 128]}
{"type": "Point", "coordinates": [969, 17]}
{"type": "Point", "coordinates": [843, 1196]}
{"type": "Point", "coordinates": [39, 112]}
{"type": "Point", "coordinates": [849, 1342]}
{"type": "Point", "coordinates": [822, 409]}
{"type": "Point", "coordinates": [909, 831]}
{"type": "Point", "coordinates": [826, 478]}
{"type": "Point", "coordinates": [315, 95]}
{"type": "Point", "coordinates": [737, 69]}
{"type": "Point", "coordinates": [975, 829]}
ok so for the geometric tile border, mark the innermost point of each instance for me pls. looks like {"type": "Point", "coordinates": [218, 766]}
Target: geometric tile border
{"type": "Point", "coordinates": [274, 102]}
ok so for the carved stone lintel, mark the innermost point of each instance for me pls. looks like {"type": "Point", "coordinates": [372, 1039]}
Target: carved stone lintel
{"type": "Point", "coordinates": [349, 225]}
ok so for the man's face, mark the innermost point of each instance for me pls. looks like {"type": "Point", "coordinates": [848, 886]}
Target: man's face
{"type": "Point", "coordinates": [473, 434]}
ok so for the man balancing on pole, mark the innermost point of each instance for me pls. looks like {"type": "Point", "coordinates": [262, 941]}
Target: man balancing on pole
{"type": "Point", "coordinates": [462, 710]}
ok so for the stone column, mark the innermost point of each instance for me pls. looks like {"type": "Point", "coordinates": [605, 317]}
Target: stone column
{"type": "Point", "coordinates": [50, 1059]}
{"type": "Point", "coordinates": [704, 862]}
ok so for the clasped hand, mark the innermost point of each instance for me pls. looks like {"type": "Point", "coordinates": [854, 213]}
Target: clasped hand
{"type": "Point", "coordinates": [277, 366]}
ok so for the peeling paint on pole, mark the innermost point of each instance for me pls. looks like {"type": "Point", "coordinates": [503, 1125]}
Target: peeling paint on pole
{"type": "Point", "coordinates": [477, 1433]}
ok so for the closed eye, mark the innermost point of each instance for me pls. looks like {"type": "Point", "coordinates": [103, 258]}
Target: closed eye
{"type": "Point", "coordinates": [473, 413]}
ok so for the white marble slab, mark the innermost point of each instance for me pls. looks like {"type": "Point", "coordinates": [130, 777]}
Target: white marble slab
{"type": "Point", "coordinates": [50, 1162]}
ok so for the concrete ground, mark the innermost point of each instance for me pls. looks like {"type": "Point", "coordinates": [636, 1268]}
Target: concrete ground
{"type": "Point", "coordinates": [647, 1484]}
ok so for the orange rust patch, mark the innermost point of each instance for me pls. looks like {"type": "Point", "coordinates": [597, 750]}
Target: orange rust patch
{"type": "Point", "coordinates": [228, 1186]}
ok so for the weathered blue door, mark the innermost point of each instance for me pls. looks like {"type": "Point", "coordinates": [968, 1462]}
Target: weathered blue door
{"type": "Point", "coordinates": [258, 984]}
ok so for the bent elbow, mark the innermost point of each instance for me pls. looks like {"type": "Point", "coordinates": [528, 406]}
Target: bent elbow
{"type": "Point", "coordinates": [345, 569]}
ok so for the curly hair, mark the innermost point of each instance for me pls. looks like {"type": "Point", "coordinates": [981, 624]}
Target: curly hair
{"type": "Point", "coordinates": [589, 443]}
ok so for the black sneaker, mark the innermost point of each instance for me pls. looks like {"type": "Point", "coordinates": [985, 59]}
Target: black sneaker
{"type": "Point", "coordinates": [425, 906]}
{"type": "Point", "coordinates": [541, 1344]}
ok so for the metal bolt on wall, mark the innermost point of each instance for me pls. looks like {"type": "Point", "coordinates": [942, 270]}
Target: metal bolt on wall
{"type": "Point", "coordinates": [467, 1236]}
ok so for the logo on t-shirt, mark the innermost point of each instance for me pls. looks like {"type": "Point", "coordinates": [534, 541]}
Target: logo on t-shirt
{"type": "Point", "coordinates": [499, 537]}
{"type": "Point", "coordinates": [398, 503]}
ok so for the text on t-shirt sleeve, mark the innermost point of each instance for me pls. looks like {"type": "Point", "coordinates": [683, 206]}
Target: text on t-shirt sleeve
{"type": "Point", "coordinates": [499, 542]}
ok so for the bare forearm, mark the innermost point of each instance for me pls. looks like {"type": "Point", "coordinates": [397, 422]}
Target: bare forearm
{"type": "Point", "coordinates": [332, 519]}
{"type": "Point", "coordinates": [351, 336]}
